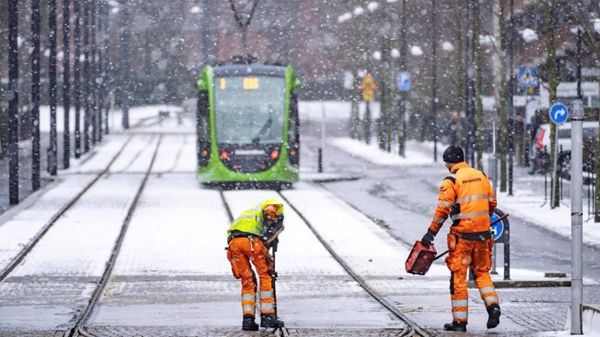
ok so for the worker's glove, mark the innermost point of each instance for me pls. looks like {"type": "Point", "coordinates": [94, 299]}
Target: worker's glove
{"type": "Point", "coordinates": [428, 238]}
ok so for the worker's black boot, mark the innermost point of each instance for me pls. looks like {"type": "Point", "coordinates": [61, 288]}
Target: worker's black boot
{"type": "Point", "coordinates": [493, 316]}
{"type": "Point", "coordinates": [455, 326]}
{"type": "Point", "coordinates": [270, 321]}
{"type": "Point", "coordinates": [249, 324]}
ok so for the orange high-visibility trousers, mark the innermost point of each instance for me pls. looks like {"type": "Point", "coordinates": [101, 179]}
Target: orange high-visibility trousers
{"type": "Point", "coordinates": [240, 253]}
{"type": "Point", "coordinates": [478, 256]}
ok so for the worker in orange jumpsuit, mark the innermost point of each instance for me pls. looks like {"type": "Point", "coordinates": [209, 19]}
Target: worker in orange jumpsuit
{"type": "Point", "coordinates": [468, 198]}
{"type": "Point", "coordinates": [249, 244]}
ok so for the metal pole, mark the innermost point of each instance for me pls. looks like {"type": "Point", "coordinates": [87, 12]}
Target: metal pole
{"type": "Point", "coordinates": [323, 132]}
{"type": "Point", "coordinates": [86, 75]}
{"type": "Point", "coordinates": [368, 122]}
{"type": "Point", "coordinates": [13, 103]}
{"type": "Point", "coordinates": [52, 96]}
{"type": "Point", "coordinates": [205, 31]}
{"type": "Point", "coordinates": [554, 179]}
{"type": "Point", "coordinates": [124, 39]}
{"type": "Point", "coordinates": [66, 84]}
{"type": "Point", "coordinates": [576, 217]}
{"type": "Point", "coordinates": [433, 82]}
{"type": "Point", "coordinates": [510, 105]}
{"type": "Point", "coordinates": [576, 202]}
{"type": "Point", "coordinates": [93, 72]}
{"type": "Point", "coordinates": [77, 76]}
{"type": "Point", "coordinates": [35, 95]}
{"type": "Point", "coordinates": [100, 76]}
{"type": "Point", "coordinates": [402, 119]}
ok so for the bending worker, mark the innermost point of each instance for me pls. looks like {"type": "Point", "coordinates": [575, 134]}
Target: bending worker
{"type": "Point", "coordinates": [468, 198]}
{"type": "Point", "coordinates": [249, 238]}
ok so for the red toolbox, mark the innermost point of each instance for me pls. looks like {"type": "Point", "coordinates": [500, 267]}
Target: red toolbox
{"type": "Point", "coordinates": [420, 258]}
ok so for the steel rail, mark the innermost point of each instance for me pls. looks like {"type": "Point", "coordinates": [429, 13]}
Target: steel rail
{"type": "Point", "coordinates": [34, 241]}
{"type": "Point", "coordinates": [78, 328]}
{"type": "Point", "coordinates": [412, 328]}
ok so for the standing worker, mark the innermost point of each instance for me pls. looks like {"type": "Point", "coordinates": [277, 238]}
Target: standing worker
{"type": "Point", "coordinates": [468, 198]}
{"type": "Point", "coordinates": [250, 237]}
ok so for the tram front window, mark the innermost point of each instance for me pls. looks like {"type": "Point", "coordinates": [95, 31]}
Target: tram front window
{"type": "Point", "coordinates": [249, 109]}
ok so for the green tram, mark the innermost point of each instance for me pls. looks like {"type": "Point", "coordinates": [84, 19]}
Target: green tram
{"type": "Point", "coordinates": [247, 125]}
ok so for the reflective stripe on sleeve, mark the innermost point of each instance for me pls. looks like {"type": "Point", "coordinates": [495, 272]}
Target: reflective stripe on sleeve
{"type": "Point", "coordinates": [472, 198]}
{"type": "Point", "coordinates": [444, 203]}
{"type": "Point", "coordinates": [438, 220]}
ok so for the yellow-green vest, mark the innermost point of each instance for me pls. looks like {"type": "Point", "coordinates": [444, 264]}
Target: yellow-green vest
{"type": "Point", "coordinates": [251, 220]}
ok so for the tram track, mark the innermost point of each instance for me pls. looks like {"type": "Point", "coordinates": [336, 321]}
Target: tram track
{"type": "Point", "coordinates": [58, 215]}
{"type": "Point", "coordinates": [411, 329]}
{"type": "Point", "coordinates": [78, 328]}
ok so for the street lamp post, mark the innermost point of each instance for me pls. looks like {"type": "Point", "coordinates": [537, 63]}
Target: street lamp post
{"type": "Point", "coordinates": [433, 80]}
{"type": "Point", "coordinates": [77, 76]}
{"type": "Point", "coordinates": [124, 49]}
{"type": "Point", "coordinates": [35, 95]}
{"type": "Point", "coordinates": [13, 103]}
{"type": "Point", "coordinates": [510, 103]}
{"type": "Point", "coordinates": [52, 32]}
{"type": "Point", "coordinates": [66, 84]}
{"type": "Point", "coordinates": [403, 47]}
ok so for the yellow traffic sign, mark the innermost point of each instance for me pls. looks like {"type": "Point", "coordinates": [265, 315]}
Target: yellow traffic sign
{"type": "Point", "coordinates": [368, 87]}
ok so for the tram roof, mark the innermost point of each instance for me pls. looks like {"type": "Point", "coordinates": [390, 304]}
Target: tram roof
{"type": "Point", "coordinates": [249, 69]}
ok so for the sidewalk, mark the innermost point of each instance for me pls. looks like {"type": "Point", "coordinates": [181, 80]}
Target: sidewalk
{"type": "Point", "coordinates": [527, 202]}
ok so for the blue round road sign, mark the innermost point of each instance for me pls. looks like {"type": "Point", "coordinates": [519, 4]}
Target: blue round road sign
{"type": "Point", "coordinates": [559, 113]}
{"type": "Point", "coordinates": [498, 228]}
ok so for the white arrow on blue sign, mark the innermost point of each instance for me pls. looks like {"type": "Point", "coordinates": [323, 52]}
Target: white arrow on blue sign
{"type": "Point", "coordinates": [559, 113]}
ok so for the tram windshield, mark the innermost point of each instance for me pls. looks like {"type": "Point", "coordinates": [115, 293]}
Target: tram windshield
{"type": "Point", "coordinates": [249, 109]}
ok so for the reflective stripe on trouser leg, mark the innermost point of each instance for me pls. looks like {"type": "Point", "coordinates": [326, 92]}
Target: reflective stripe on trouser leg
{"type": "Point", "coordinates": [488, 295]}
{"type": "Point", "coordinates": [267, 302]}
{"type": "Point", "coordinates": [460, 310]}
{"type": "Point", "coordinates": [249, 304]}
{"type": "Point", "coordinates": [459, 293]}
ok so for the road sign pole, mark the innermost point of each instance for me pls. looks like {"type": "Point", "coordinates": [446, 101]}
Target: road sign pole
{"type": "Point", "coordinates": [576, 217]}
{"type": "Point", "coordinates": [554, 171]}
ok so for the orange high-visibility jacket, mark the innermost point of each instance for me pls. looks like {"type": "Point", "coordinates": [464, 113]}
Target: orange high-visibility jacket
{"type": "Point", "coordinates": [468, 198]}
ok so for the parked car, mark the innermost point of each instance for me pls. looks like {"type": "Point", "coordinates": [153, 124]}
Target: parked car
{"type": "Point", "coordinates": [541, 148]}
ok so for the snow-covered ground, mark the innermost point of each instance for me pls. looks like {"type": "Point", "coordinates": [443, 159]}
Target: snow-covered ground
{"type": "Point", "coordinates": [172, 269]}
{"type": "Point", "coordinates": [525, 203]}
{"type": "Point", "coordinates": [373, 154]}
{"type": "Point", "coordinates": [137, 116]}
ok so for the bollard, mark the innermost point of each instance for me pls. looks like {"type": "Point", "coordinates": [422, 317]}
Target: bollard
{"type": "Point", "coordinates": [320, 160]}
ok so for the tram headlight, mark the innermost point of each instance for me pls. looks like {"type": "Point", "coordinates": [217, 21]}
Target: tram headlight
{"type": "Point", "coordinates": [274, 155]}
{"type": "Point", "coordinates": [224, 155]}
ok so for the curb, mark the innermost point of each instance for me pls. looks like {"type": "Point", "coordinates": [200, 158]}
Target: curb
{"type": "Point", "coordinates": [592, 307]}
{"type": "Point", "coordinates": [331, 179]}
{"type": "Point", "coordinates": [527, 284]}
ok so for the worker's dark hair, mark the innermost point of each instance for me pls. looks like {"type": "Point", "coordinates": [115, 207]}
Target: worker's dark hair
{"type": "Point", "coordinates": [454, 154]}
